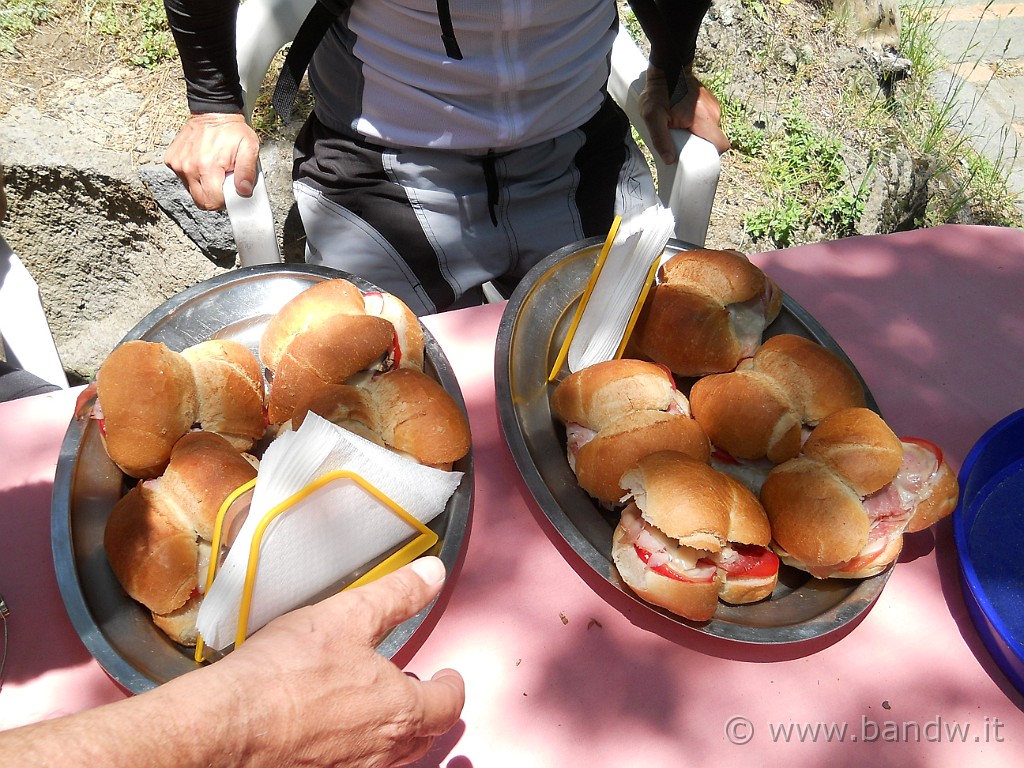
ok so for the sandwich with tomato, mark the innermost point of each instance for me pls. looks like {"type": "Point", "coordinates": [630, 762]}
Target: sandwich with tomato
{"type": "Point", "coordinates": [841, 508]}
{"type": "Point", "coordinates": [691, 536]}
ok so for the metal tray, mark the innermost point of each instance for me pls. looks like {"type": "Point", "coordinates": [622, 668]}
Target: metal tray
{"type": "Point", "coordinates": [118, 631]}
{"type": "Point", "coordinates": [532, 329]}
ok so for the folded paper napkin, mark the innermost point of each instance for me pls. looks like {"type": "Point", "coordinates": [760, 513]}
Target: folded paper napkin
{"type": "Point", "coordinates": [640, 239]}
{"type": "Point", "coordinates": [327, 535]}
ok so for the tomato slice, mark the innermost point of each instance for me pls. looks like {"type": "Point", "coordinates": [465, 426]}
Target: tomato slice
{"type": "Point", "coordinates": [706, 575]}
{"type": "Point", "coordinates": [926, 444]}
{"type": "Point", "coordinates": [751, 561]}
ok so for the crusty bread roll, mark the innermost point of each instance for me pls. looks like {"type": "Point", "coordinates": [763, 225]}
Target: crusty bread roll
{"type": "Point", "coordinates": [408, 350]}
{"type": "Point", "coordinates": [403, 409]}
{"type": "Point", "coordinates": [842, 507]}
{"type": "Point", "coordinates": [324, 335]}
{"type": "Point", "coordinates": [707, 311]}
{"type": "Point", "coordinates": [599, 394]}
{"type": "Point", "coordinates": [817, 379]}
{"type": "Point", "coordinates": [156, 534]}
{"type": "Point", "coordinates": [304, 312]}
{"type": "Point", "coordinates": [760, 409]}
{"type": "Point", "coordinates": [415, 415]}
{"type": "Point", "coordinates": [330, 352]}
{"type": "Point", "coordinates": [601, 462]}
{"type": "Point", "coordinates": [147, 396]}
{"type": "Point", "coordinates": [693, 518]}
{"type": "Point", "coordinates": [230, 391]}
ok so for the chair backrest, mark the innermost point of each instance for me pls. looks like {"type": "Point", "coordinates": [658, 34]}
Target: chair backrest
{"type": "Point", "coordinates": [687, 187]}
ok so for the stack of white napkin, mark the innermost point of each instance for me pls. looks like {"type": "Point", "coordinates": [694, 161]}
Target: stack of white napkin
{"type": "Point", "coordinates": [328, 535]}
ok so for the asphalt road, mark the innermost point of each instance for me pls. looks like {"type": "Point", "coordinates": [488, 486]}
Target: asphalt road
{"type": "Point", "coordinates": [983, 45]}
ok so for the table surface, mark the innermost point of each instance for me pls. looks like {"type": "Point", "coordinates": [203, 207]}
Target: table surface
{"type": "Point", "coordinates": [561, 668]}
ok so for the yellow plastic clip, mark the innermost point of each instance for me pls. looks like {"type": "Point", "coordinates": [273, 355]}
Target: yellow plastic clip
{"type": "Point", "coordinates": [652, 272]}
{"type": "Point", "coordinates": [405, 554]}
{"type": "Point", "coordinates": [601, 259]}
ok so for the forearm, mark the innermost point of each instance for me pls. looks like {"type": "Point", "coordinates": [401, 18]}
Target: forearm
{"type": "Point", "coordinates": [671, 27]}
{"type": "Point", "coordinates": [204, 33]}
{"type": "Point", "coordinates": [183, 723]}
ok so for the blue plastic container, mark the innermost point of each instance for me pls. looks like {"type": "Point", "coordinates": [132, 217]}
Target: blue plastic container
{"type": "Point", "coordinates": [988, 527]}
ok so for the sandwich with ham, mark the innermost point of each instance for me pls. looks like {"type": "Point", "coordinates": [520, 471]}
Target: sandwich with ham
{"type": "Point", "coordinates": [616, 412]}
{"type": "Point", "coordinates": [706, 312]}
{"type": "Point", "coordinates": [331, 333]}
{"type": "Point", "coordinates": [759, 415]}
{"type": "Point", "coordinates": [841, 508]}
{"type": "Point", "coordinates": [157, 537]}
{"type": "Point", "coordinates": [691, 536]}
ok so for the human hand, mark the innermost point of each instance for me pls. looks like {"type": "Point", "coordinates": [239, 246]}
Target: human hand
{"type": "Point", "coordinates": [314, 691]}
{"type": "Point", "coordinates": [208, 147]}
{"type": "Point", "coordinates": [698, 112]}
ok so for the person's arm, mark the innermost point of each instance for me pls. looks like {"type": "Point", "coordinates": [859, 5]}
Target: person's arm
{"type": "Point", "coordinates": [308, 689]}
{"type": "Point", "coordinates": [216, 139]}
{"type": "Point", "coordinates": [673, 96]}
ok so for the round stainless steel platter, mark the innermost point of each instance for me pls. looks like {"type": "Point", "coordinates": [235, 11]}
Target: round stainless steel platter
{"type": "Point", "coordinates": [532, 330]}
{"type": "Point", "coordinates": [118, 631]}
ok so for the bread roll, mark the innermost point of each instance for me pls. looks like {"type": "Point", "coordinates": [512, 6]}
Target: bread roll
{"type": "Point", "coordinates": [841, 509]}
{"type": "Point", "coordinates": [403, 409]}
{"type": "Point", "coordinates": [708, 310]}
{"type": "Point", "coordinates": [693, 518]}
{"type": "Point", "coordinates": [158, 534]}
{"type": "Point", "coordinates": [147, 396]}
{"type": "Point", "coordinates": [760, 409]}
{"type": "Point", "coordinates": [602, 393]}
{"type": "Point", "coordinates": [415, 415]}
{"type": "Point", "coordinates": [229, 387]}
{"type": "Point", "coordinates": [616, 449]}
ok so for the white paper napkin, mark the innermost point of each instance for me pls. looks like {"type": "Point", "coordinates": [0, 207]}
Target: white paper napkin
{"type": "Point", "coordinates": [326, 536]}
{"type": "Point", "coordinates": [638, 241]}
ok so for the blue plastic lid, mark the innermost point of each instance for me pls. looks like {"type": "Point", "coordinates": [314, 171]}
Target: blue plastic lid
{"type": "Point", "coordinates": [988, 527]}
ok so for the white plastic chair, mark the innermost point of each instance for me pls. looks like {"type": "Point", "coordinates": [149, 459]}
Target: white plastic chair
{"type": "Point", "coordinates": [265, 26]}
{"type": "Point", "coordinates": [28, 341]}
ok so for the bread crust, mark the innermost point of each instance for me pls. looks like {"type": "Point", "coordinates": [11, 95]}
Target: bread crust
{"type": "Point", "coordinates": [230, 391]}
{"type": "Point", "coordinates": [601, 463]}
{"type": "Point", "coordinates": [748, 415]}
{"type": "Point", "coordinates": [815, 517]}
{"type": "Point", "coordinates": [147, 395]}
{"type": "Point", "coordinates": [689, 322]}
{"type": "Point", "coordinates": [818, 381]}
{"type": "Point", "coordinates": [599, 394]}
{"type": "Point", "coordinates": [414, 414]}
{"type": "Point", "coordinates": [303, 312]}
{"type": "Point", "coordinates": [745, 590]}
{"type": "Point", "coordinates": [203, 471]}
{"type": "Point", "coordinates": [331, 352]}
{"type": "Point", "coordinates": [152, 549]}
{"type": "Point", "coordinates": [859, 446]}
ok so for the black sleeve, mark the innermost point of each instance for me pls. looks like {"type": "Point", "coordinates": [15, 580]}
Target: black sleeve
{"type": "Point", "coordinates": [671, 27]}
{"type": "Point", "coordinates": [204, 33]}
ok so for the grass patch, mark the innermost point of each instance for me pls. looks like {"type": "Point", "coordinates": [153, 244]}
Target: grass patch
{"type": "Point", "coordinates": [19, 17]}
{"type": "Point", "coordinates": [139, 28]}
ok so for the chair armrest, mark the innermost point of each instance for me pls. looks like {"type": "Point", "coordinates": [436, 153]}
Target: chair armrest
{"type": "Point", "coordinates": [27, 339]}
{"type": "Point", "coordinates": [263, 28]}
{"type": "Point", "coordinates": [688, 187]}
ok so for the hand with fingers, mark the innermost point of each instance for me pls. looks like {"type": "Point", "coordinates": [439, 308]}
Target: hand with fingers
{"type": "Point", "coordinates": [206, 149]}
{"type": "Point", "coordinates": [698, 112]}
{"type": "Point", "coordinates": [308, 689]}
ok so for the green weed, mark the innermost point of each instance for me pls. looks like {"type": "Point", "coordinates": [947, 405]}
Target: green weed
{"type": "Point", "coordinates": [18, 17]}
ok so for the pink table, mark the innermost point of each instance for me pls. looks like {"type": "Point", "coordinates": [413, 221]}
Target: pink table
{"type": "Point", "coordinates": [563, 670]}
